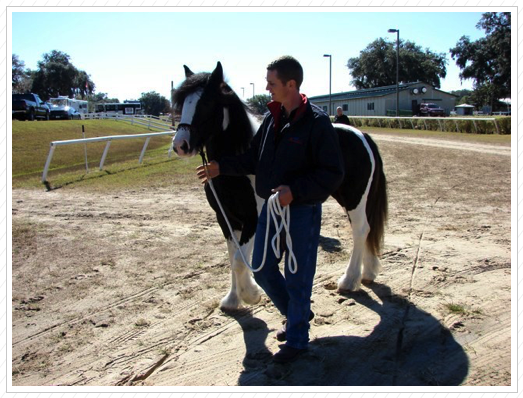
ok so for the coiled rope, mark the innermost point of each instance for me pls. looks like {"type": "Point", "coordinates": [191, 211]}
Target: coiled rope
{"type": "Point", "coordinates": [274, 210]}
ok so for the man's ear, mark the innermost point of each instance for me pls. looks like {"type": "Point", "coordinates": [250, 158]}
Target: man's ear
{"type": "Point", "coordinates": [292, 84]}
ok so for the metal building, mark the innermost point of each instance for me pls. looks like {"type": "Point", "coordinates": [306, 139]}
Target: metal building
{"type": "Point", "coordinates": [381, 101]}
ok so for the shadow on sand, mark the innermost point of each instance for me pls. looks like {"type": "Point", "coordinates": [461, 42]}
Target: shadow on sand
{"type": "Point", "coordinates": [408, 347]}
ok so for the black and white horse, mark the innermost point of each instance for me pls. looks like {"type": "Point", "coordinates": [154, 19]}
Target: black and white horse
{"type": "Point", "coordinates": [215, 119]}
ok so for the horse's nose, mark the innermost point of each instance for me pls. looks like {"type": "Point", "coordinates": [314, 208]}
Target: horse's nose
{"type": "Point", "coordinates": [181, 141]}
{"type": "Point", "coordinates": [181, 147]}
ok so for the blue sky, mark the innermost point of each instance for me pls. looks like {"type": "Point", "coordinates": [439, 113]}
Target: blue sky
{"type": "Point", "coordinates": [141, 50]}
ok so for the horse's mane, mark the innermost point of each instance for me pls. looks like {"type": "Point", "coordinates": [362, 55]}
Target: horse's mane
{"type": "Point", "coordinates": [240, 125]}
{"type": "Point", "coordinates": [188, 86]}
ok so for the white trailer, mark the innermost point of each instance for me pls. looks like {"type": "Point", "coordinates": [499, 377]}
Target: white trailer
{"type": "Point", "coordinates": [61, 102]}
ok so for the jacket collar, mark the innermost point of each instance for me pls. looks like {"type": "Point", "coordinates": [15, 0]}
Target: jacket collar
{"type": "Point", "coordinates": [276, 110]}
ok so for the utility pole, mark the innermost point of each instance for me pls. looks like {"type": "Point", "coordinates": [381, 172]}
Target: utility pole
{"type": "Point", "coordinates": [397, 31]}
{"type": "Point", "coordinates": [330, 82]}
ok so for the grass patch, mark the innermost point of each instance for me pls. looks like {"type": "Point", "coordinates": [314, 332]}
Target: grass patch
{"type": "Point", "coordinates": [459, 309]}
{"type": "Point", "coordinates": [455, 308]}
{"type": "Point", "coordinates": [31, 142]}
{"type": "Point", "coordinates": [156, 171]}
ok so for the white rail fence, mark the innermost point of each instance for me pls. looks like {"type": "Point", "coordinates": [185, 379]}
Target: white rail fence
{"type": "Point", "coordinates": [108, 139]}
{"type": "Point", "coordinates": [148, 121]}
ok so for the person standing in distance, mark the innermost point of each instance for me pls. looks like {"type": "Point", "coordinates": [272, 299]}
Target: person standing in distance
{"type": "Point", "coordinates": [297, 154]}
{"type": "Point", "coordinates": [340, 117]}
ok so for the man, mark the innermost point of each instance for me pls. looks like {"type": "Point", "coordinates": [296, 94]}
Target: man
{"type": "Point", "coordinates": [340, 117]}
{"type": "Point", "coordinates": [295, 153]}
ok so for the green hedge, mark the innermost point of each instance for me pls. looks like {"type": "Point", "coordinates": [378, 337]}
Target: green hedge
{"type": "Point", "coordinates": [461, 126]}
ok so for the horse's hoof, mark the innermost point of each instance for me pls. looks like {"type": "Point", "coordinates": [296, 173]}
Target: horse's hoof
{"type": "Point", "coordinates": [346, 285]}
{"type": "Point", "coordinates": [230, 303]}
{"type": "Point", "coordinates": [367, 281]}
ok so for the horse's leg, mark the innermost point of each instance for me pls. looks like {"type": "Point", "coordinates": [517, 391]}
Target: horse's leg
{"type": "Point", "coordinates": [243, 286]}
{"type": "Point", "coordinates": [351, 280]}
{"type": "Point", "coordinates": [232, 300]}
{"type": "Point", "coordinates": [371, 266]}
{"type": "Point", "coordinates": [250, 293]}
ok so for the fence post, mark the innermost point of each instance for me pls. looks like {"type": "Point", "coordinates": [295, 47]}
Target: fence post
{"type": "Point", "coordinates": [104, 154]}
{"type": "Point", "coordinates": [48, 162]}
{"type": "Point", "coordinates": [496, 125]}
{"type": "Point", "coordinates": [144, 148]}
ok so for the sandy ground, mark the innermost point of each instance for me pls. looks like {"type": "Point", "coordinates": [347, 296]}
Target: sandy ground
{"type": "Point", "coordinates": [123, 289]}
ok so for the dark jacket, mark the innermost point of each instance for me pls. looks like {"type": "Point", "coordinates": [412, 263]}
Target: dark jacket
{"type": "Point", "coordinates": [342, 119]}
{"type": "Point", "coordinates": [303, 154]}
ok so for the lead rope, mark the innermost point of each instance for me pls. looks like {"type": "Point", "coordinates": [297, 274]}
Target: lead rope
{"type": "Point", "coordinates": [274, 209]}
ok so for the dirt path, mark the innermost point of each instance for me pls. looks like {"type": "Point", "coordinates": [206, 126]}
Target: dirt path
{"type": "Point", "coordinates": [438, 143]}
{"type": "Point", "coordinates": [122, 289]}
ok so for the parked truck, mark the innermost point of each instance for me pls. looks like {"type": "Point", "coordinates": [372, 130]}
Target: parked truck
{"type": "Point", "coordinates": [29, 107]}
{"type": "Point", "coordinates": [431, 109]}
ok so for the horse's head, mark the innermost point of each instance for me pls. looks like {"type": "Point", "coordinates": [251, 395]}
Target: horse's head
{"type": "Point", "coordinates": [201, 102]}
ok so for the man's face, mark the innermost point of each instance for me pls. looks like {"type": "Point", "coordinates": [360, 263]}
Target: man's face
{"type": "Point", "coordinates": [339, 112]}
{"type": "Point", "coordinates": [279, 91]}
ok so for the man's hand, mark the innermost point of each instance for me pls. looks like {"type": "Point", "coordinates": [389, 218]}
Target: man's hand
{"type": "Point", "coordinates": [208, 171]}
{"type": "Point", "coordinates": [285, 195]}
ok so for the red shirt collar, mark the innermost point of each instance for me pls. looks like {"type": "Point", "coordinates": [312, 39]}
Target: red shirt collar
{"type": "Point", "coordinates": [276, 109]}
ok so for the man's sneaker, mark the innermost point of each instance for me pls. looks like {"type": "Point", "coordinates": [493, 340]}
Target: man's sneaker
{"type": "Point", "coordinates": [287, 354]}
{"type": "Point", "coordinates": [281, 335]}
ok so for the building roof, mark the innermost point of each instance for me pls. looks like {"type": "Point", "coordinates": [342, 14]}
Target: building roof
{"type": "Point", "coordinates": [370, 92]}
{"type": "Point", "coordinates": [464, 106]}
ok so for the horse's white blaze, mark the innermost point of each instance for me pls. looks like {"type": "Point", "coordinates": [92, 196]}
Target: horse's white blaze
{"type": "Point", "coordinates": [183, 135]}
{"type": "Point", "coordinates": [189, 107]}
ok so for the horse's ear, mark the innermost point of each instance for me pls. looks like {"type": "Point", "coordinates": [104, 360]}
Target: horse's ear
{"type": "Point", "coordinates": [217, 75]}
{"type": "Point", "coordinates": [188, 72]}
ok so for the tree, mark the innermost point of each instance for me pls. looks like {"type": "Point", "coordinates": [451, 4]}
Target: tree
{"type": "Point", "coordinates": [259, 102]}
{"type": "Point", "coordinates": [56, 75]}
{"type": "Point", "coordinates": [21, 78]}
{"type": "Point", "coordinates": [18, 70]}
{"type": "Point", "coordinates": [487, 60]}
{"type": "Point", "coordinates": [376, 65]}
{"type": "Point", "coordinates": [154, 103]}
{"type": "Point", "coordinates": [463, 96]}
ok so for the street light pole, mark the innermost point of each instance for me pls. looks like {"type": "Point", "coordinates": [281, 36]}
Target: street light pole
{"type": "Point", "coordinates": [330, 82]}
{"type": "Point", "coordinates": [243, 92]}
{"type": "Point", "coordinates": [252, 90]}
{"type": "Point", "coordinates": [397, 31]}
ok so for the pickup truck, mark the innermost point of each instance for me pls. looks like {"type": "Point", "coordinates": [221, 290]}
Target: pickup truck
{"type": "Point", "coordinates": [430, 109]}
{"type": "Point", "coordinates": [29, 107]}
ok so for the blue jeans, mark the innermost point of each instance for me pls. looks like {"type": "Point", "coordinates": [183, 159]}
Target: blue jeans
{"type": "Point", "coordinates": [291, 293]}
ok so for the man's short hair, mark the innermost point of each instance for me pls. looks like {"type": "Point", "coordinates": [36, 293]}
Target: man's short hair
{"type": "Point", "coordinates": [287, 68]}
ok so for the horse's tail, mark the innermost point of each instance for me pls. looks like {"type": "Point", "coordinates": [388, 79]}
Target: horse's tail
{"type": "Point", "coordinates": [377, 203]}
